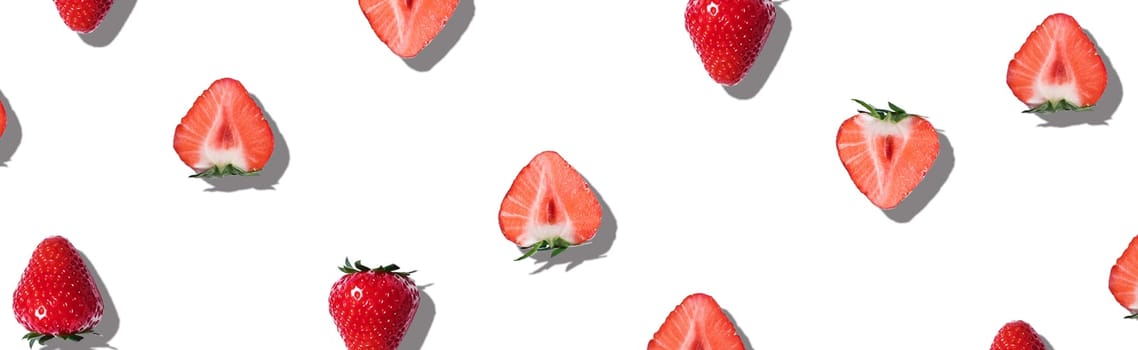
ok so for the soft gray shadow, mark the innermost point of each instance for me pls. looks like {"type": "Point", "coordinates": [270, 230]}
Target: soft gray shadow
{"type": "Point", "coordinates": [929, 186]}
{"type": "Point", "coordinates": [1046, 343]}
{"type": "Point", "coordinates": [1103, 110]}
{"type": "Point", "coordinates": [421, 325]}
{"type": "Point", "coordinates": [764, 65]}
{"type": "Point", "coordinates": [447, 38]}
{"type": "Point", "coordinates": [268, 177]}
{"type": "Point", "coordinates": [739, 331]}
{"type": "Point", "coordinates": [13, 133]}
{"type": "Point", "coordinates": [109, 29]}
{"type": "Point", "coordinates": [106, 328]}
{"type": "Point", "coordinates": [594, 249]}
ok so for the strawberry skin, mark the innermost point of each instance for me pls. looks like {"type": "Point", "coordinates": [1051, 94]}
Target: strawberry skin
{"type": "Point", "coordinates": [56, 296]}
{"type": "Point", "coordinates": [1124, 279]}
{"type": "Point", "coordinates": [887, 152]}
{"type": "Point", "coordinates": [1058, 68]}
{"type": "Point", "coordinates": [1017, 335]}
{"type": "Point", "coordinates": [549, 206]}
{"type": "Point", "coordinates": [698, 323]}
{"type": "Point", "coordinates": [729, 35]}
{"type": "Point", "coordinates": [224, 133]}
{"type": "Point", "coordinates": [407, 26]}
{"type": "Point", "coordinates": [373, 308]}
{"type": "Point", "coordinates": [83, 16]}
{"type": "Point", "coordinates": [3, 118]}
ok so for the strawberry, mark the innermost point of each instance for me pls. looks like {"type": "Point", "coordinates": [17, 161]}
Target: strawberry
{"type": "Point", "coordinates": [887, 152]}
{"type": "Point", "coordinates": [1017, 335]}
{"type": "Point", "coordinates": [3, 118]}
{"type": "Point", "coordinates": [407, 26]}
{"type": "Point", "coordinates": [224, 133]}
{"type": "Point", "coordinates": [373, 308]}
{"type": "Point", "coordinates": [56, 296]}
{"type": "Point", "coordinates": [1058, 68]}
{"type": "Point", "coordinates": [1124, 279]}
{"type": "Point", "coordinates": [83, 16]}
{"type": "Point", "coordinates": [549, 206]}
{"type": "Point", "coordinates": [697, 323]}
{"type": "Point", "coordinates": [729, 35]}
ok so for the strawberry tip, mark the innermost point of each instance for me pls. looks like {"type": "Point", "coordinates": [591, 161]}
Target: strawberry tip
{"type": "Point", "coordinates": [228, 169]}
{"type": "Point", "coordinates": [34, 338]}
{"type": "Point", "coordinates": [1056, 106]}
{"type": "Point", "coordinates": [358, 267]}
{"type": "Point", "coordinates": [894, 114]}
{"type": "Point", "coordinates": [559, 245]}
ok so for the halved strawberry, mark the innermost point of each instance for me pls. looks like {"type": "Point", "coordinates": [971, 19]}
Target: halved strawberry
{"type": "Point", "coordinates": [887, 152]}
{"type": "Point", "coordinates": [1057, 68]}
{"type": "Point", "coordinates": [1124, 279]}
{"type": "Point", "coordinates": [224, 133]}
{"type": "Point", "coordinates": [698, 323]}
{"type": "Point", "coordinates": [549, 206]}
{"type": "Point", "coordinates": [407, 26]}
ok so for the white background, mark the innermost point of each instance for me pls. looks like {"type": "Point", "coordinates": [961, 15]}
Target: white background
{"type": "Point", "coordinates": [738, 194]}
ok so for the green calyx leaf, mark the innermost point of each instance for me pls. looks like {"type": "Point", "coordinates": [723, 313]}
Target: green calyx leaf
{"type": "Point", "coordinates": [228, 169]}
{"type": "Point", "coordinates": [358, 267]}
{"type": "Point", "coordinates": [893, 115]}
{"type": "Point", "coordinates": [34, 338]}
{"type": "Point", "coordinates": [1057, 106]}
{"type": "Point", "coordinates": [1132, 317]}
{"type": "Point", "coordinates": [558, 245]}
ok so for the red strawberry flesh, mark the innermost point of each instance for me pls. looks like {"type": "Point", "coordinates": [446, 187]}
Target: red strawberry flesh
{"type": "Point", "coordinates": [56, 296]}
{"type": "Point", "coordinates": [698, 323]}
{"type": "Point", "coordinates": [729, 35]}
{"type": "Point", "coordinates": [1124, 278]}
{"type": "Point", "coordinates": [373, 308]}
{"type": "Point", "coordinates": [1058, 68]}
{"type": "Point", "coordinates": [549, 206]}
{"type": "Point", "coordinates": [408, 26]}
{"type": "Point", "coordinates": [887, 153]}
{"type": "Point", "coordinates": [224, 132]}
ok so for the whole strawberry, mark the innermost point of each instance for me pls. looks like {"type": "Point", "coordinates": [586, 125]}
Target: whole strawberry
{"type": "Point", "coordinates": [1017, 335]}
{"type": "Point", "coordinates": [56, 297]}
{"type": "Point", "coordinates": [83, 16]}
{"type": "Point", "coordinates": [373, 308]}
{"type": "Point", "coordinates": [729, 35]}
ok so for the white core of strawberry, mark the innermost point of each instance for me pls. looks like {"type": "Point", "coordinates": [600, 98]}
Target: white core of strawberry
{"type": "Point", "coordinates": [873, 129]}
{"type": "Point", "coordinates": [1050, 92]}
{"type": "Point", "coordinates": [536, 230]}
{"type": "Point", "coordinates": [1044, 92]}
{"type": "Point", "coordinates": [211, 156]}
{"type": "Point", "coordinates": [217, 157]}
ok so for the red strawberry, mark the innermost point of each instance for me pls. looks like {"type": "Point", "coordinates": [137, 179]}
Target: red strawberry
{"type": "Point", "coordinates": [1017, 335]}
{"type": "Point", "coordinates": [729, 35]}
{"type": "Point", "coordinates": [549, 206]}
{"type": "Point", "coordinates": [83, 16]}
{"type": "Point", "coordinates": [373, 308]}
{"type": "Point", "coordinates": [1124, 279]}
{"type": "Point", "coordinates": [698, 323]}
{"type": "Point", "coordinates": [1057, 68]}
{"type": "Point", "coordinates": [56, 297]}
{"type": "Point", "coordinates": [3, 118]}
{"type": "Point", "coordinates": [887, 152]}
{"type": "Point", "coordinates": [407, 26]}
{"type": "Point", "coordinates": [224, 133]}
